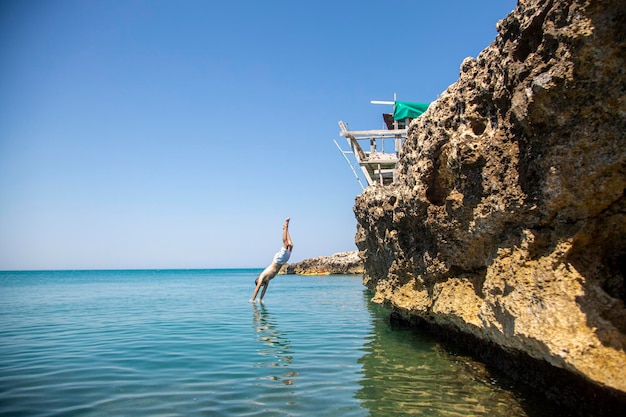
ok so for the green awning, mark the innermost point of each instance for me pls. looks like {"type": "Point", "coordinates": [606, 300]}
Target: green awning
{"type": "Point", "coordinates": [404, 109]}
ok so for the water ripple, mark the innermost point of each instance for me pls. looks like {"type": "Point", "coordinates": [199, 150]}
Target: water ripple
{"type": "Point", "coordinates": [170, 343]}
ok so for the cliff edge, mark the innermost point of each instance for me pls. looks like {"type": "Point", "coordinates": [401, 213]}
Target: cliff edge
{"type": "Point", "coordinates": [508, 219]}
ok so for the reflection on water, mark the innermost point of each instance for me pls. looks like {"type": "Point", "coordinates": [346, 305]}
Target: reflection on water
{"type": "Point", "coordinates": [103, 343]}
{"type": "Point", "coordinates": [277, 351]}
{"type": "Point", "coordinates": [405, 372]}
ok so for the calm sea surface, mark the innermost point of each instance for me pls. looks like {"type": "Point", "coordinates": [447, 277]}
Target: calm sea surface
{"type": "Point", "coordinates": [189, 343]}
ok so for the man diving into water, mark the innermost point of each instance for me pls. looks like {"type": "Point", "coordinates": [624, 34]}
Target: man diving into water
{"type": "Point", "coordinates": [280, 259]}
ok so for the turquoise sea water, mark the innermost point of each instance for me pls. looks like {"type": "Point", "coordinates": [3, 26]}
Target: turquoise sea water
{"type": "Point", "coordinates": [189, 343]}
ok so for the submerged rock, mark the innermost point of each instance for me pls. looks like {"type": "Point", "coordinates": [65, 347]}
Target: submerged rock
{"type": "Point", "coordinates": [344, 263]}
{"type": "Point", "coordinates": [508, 219]}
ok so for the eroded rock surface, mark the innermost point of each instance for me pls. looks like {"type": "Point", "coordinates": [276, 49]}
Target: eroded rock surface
{"type": "Point", "coordinates": [508, 221]}
{"type": "Point", "coordinates": [338, 263]}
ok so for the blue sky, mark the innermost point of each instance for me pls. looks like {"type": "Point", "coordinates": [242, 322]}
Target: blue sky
{"type": "Point", "coordinates": [180, 134]}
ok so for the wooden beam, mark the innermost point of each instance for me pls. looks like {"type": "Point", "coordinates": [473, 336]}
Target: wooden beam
{"type": "Point", "coordinates": [368, 133]}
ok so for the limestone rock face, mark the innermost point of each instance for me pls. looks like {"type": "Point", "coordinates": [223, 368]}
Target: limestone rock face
{"type": "Point", "coordinates": [508, 221]}
{"type": "Point", "coordinates": [344, 263]}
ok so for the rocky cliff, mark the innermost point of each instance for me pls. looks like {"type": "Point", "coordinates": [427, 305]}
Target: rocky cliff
{"type": "Point", "coordinates": [338, 263]}
{"type": "Point", "coordinates": [507, 222]}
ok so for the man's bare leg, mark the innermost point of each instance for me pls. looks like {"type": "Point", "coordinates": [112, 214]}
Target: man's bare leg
{"type": "Point", "coordinates": [287, 243]}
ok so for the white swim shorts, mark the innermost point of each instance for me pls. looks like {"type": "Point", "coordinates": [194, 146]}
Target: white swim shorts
{"type": "Point", "coordinates": [282, 256]}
